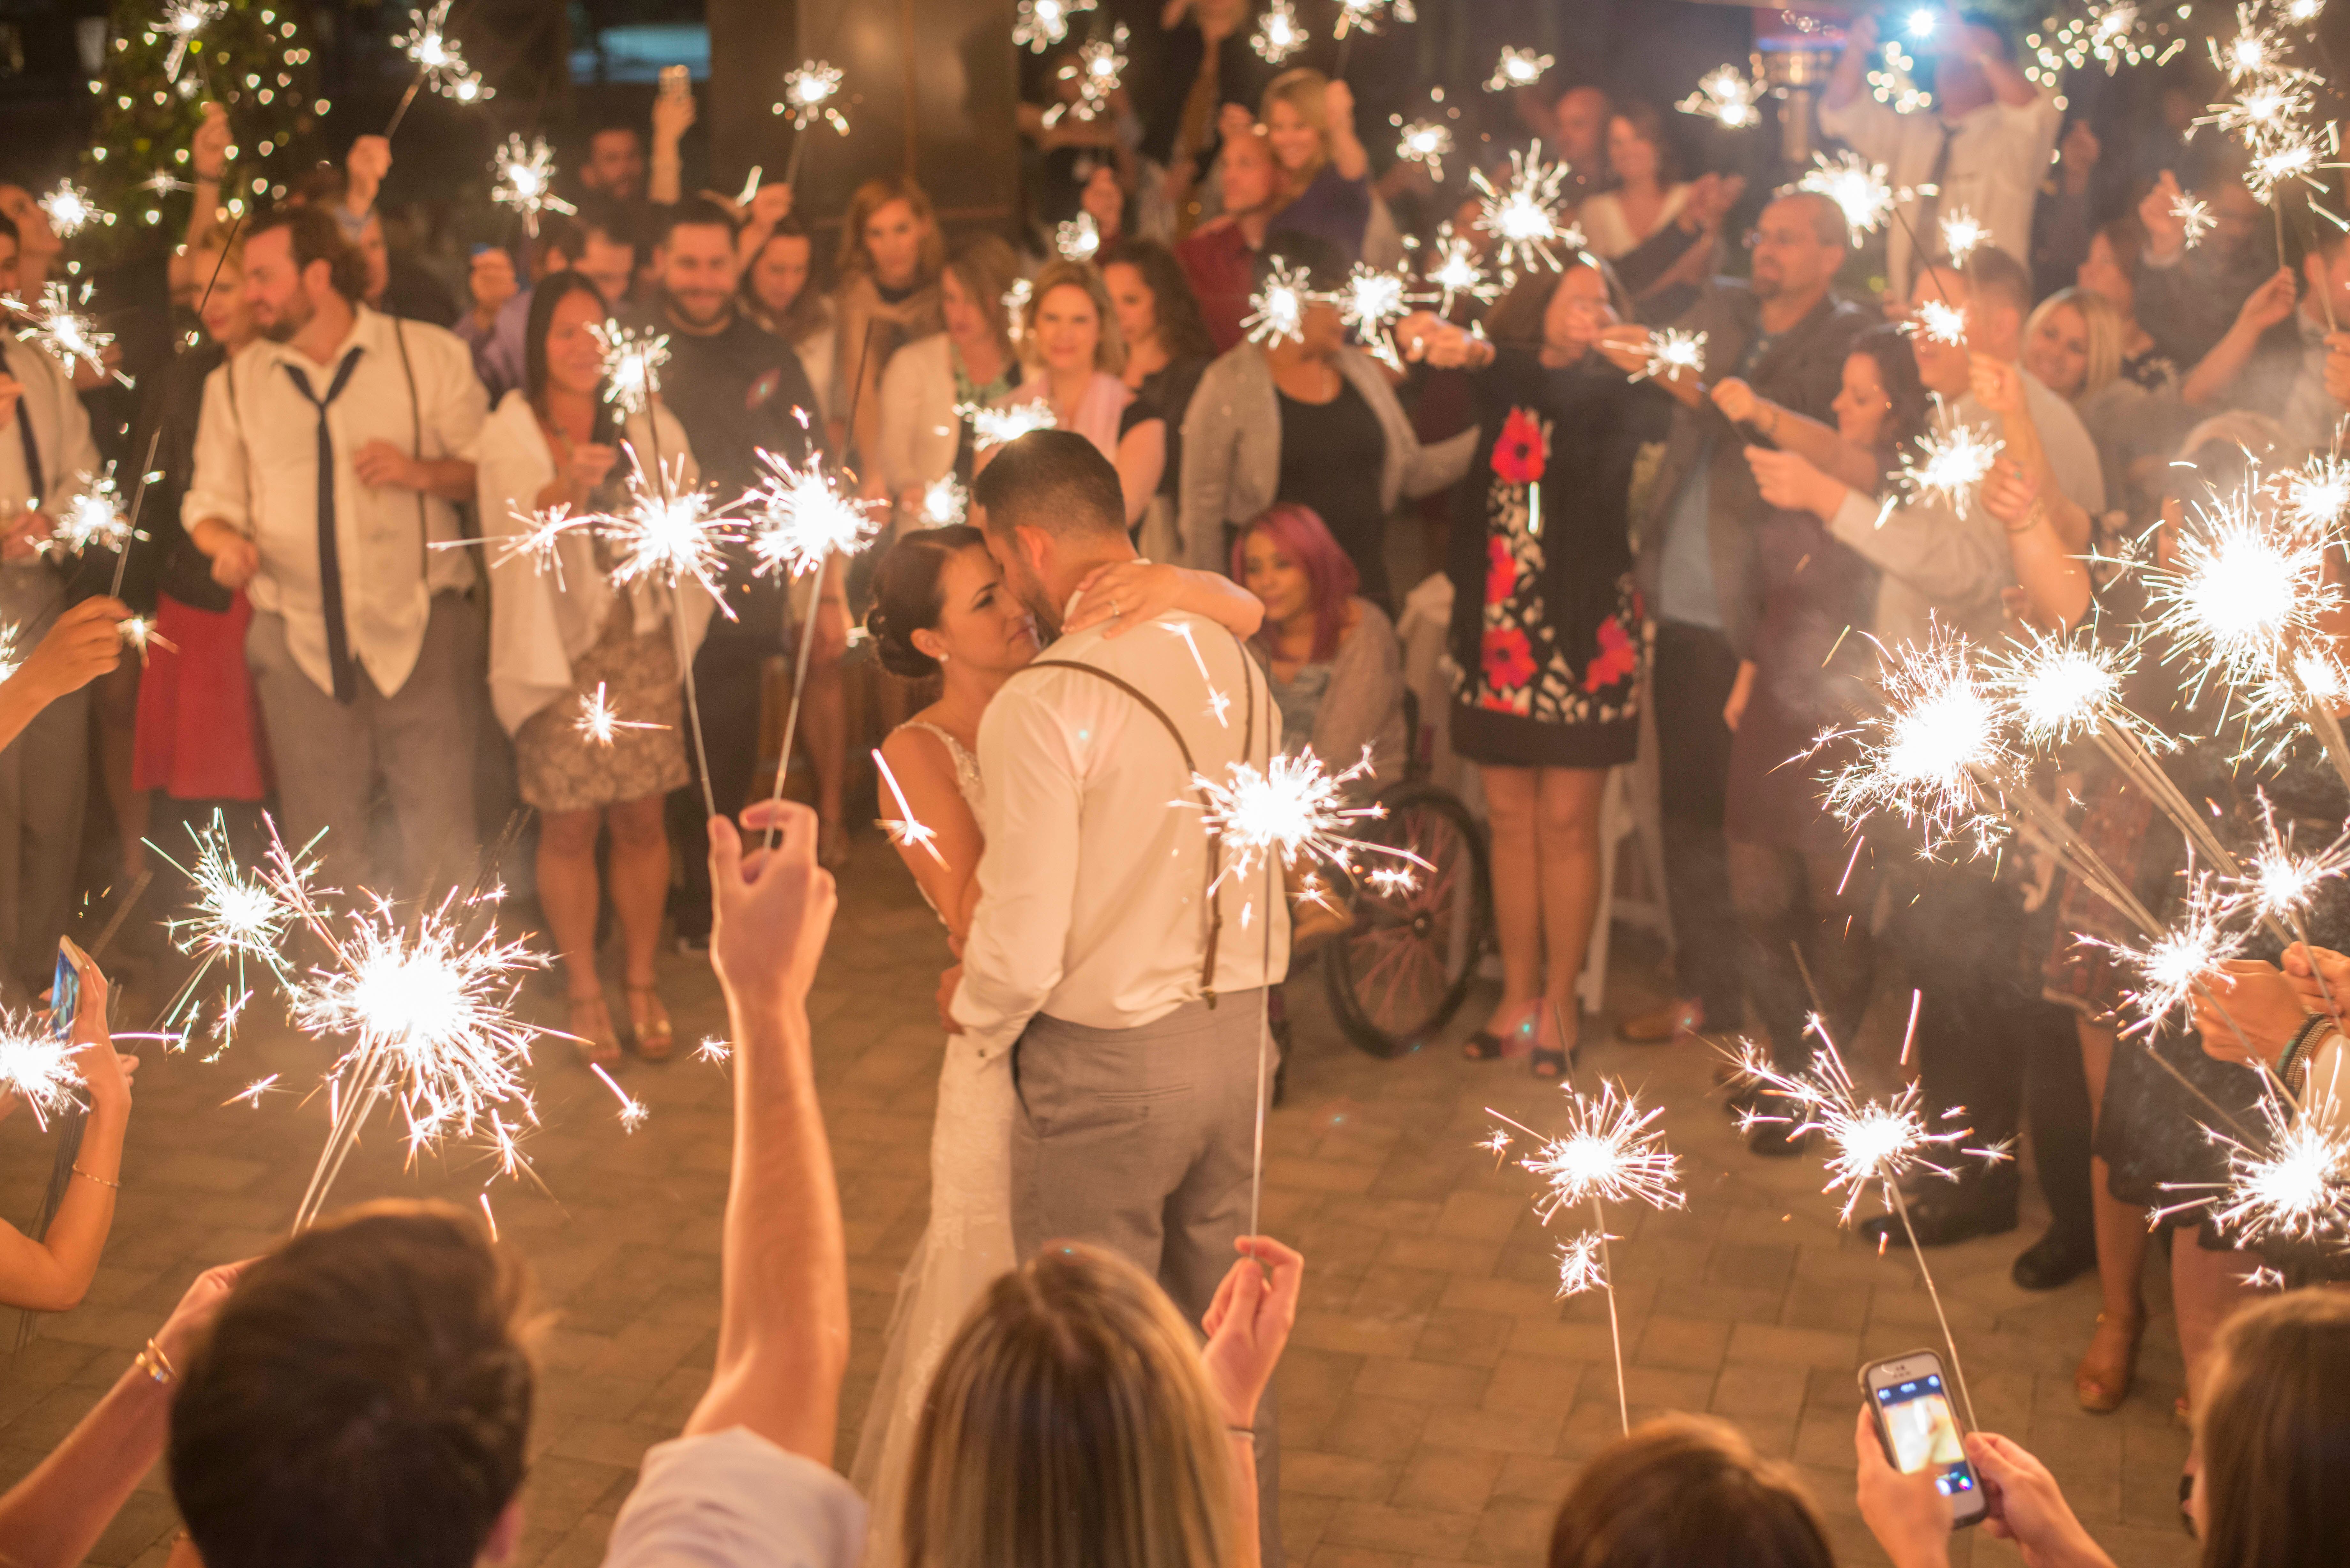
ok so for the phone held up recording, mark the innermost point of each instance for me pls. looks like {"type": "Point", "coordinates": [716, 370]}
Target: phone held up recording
{"type": "Point", "coordinates": [1910, 1404]}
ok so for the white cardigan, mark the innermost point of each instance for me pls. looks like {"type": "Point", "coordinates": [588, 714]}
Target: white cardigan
{"type": "Point", "coordinates": [544, 615]}
{"type": "Point", "coordinates": [919, 430]}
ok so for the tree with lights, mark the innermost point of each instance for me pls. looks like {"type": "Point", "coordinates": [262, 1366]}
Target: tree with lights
{"type": "Point", "coordinates": [164, 62]}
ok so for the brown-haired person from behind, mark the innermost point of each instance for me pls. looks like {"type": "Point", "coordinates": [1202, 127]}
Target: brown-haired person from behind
{"type": "Point", "coordinates": [1686, 1491]}
{"type": "Point", "coordinates": [890, 256]}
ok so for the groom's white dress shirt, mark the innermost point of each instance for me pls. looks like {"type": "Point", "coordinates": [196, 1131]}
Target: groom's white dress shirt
{"type": "Point", "coordinates": [1092, 885]}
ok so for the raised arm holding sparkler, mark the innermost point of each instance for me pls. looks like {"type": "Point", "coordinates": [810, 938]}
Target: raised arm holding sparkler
{"type": "Point", "coordinates": [51, 1273]}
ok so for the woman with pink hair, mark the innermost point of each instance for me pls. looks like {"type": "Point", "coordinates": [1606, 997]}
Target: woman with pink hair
{"type": "Point", "coordinates": [1331, 655]}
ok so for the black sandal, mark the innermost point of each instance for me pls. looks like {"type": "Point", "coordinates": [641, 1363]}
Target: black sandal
{"type": "Point", "coordinates": [1483, 1046]}
{"type": "Point", "coordinates": [1550, 1066]}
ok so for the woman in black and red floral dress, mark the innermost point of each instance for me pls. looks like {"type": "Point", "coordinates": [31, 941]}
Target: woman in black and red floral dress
{"type": "Point", "coordinates": [1546, 625]}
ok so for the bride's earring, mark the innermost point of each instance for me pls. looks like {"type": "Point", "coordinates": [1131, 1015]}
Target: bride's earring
{"type": "Point", "coordinates": [943, 657]}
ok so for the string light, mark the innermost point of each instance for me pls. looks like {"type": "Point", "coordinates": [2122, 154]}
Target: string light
{"type": "Point", "coordinates": [1518, 68]}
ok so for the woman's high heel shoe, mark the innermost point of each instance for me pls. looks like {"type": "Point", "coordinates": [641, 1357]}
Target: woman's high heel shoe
{"type": "Point", "coordinates": [656, 1040]}
{"type": "Point", "coordinates": [592, 1035]}
{"type": "Point", "coordinates": [2101, 1382]}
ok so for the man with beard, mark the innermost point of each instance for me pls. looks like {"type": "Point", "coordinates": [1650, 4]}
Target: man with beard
{"type": "Point", "coordinates": [739, 391]}
{"type": "Point", "coordinates": [1786, 336]}
{"type": "Point", "coordinates": [327, 466]}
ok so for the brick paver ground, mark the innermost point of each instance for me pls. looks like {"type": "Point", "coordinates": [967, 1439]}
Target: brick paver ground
{"type": "Point", "coordinates": [1437, 1400]}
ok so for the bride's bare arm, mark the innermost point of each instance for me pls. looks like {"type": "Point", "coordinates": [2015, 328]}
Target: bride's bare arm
{"type": "Point", "coordinates": [1133, 592]}
{"type": "Point", "coordinates": [925, 771]}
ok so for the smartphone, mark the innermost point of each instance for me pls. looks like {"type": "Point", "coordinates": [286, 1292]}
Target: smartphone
{"type": "Point", "coordinates": [65, 992]}
{"type": "Point", "coordinates": [1915, 1421]}
{"type": "Point", "coordinates": [676, 81]}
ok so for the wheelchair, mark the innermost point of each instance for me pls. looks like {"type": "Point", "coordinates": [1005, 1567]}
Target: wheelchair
{"type": "Point", "coordinates": [1403, 961]}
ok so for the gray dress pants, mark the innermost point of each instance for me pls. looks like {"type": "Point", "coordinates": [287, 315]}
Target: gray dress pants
{"type": "Point", "coordinates": [44, 786]}
{"type": "Point", "coordinates": [1140, 1140]}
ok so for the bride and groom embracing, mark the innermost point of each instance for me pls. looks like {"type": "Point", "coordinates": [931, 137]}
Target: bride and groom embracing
{"type": "Point", "coordinates": [1100, 1078]}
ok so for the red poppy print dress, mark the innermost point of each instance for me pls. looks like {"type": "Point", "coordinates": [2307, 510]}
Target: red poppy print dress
{"type": "Point", "coordinates": [1547, 626]}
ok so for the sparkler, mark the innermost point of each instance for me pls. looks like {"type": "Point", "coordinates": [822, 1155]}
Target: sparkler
{"type": "Point", "coordinates": [1219, 703]}
{"type": "Point", "coordinates": [2059, 690]}
{"type": "Point", "coordinates": [91, 520]}
{"type": "Point", "coordinates": [439, 64]}
{"type": "Point", "coordinates": [240, 921]}
{"type": "Point", "coordinates": [1923, 756]}
{"type": "Point", "coordinates": [1947, 463]}
{"type": "Point", "coordinates": [713, 1050]}
{"type": "Point", "coordinates": [1857, 188]}
{"type": "Point", "coordinates": [2295, 155]}
{"type": "Point", "coordinates": [1939, 321]}
{"type": "Point", "coordinates": [1277, 311]}
{"type": "Point", "coordinates": [1523, 216]}
{"type": "Point", "coordinates": [1015, 301]}
{"type": "Point", "coordinates": [809, 89]}
{"type": "Point", "coordinates": [2194, 219]}
{"type": "Point", "coordinates": [904, 828]}
{"type": "Point", "coordinates": [601, 722]}
{"type": "Point", "coordinates": [71, 211]}
{"type": "Point", "coordinates": [1078, 239]}
{"type": "Point", "coordinates": [2257, 52]}
{"type": "Point", "coordinates": [944, 503]}
{"type": "Point", "coordinates": [1870, 1141]}
{"type": "Point", "coordinates": [632, 365]}
{"type": "Point", "coordinates": [1725, 95]}
{"type": "Point", "coordinates": [251, 1094]}
{"type": "Point", "coordinates": [1368, 15]}
{"type": "Point", "coordinates": [2246, 587]}
{"type": "Point", "coordinates": [2296, 1188]}
{"type": "Point", "coordinates": [1279, 34]}
{"type": "Point", "coordinates": [991, 426]}
{"type": "Point", "coordinates": [1097, 70]}
{"type": "Point", "coordinates": [2169, 967]}
{"type": "Point", "coordinates": [137, 633]}
{"type": "Point", "coordinates": [37, 1066]}
{"type": "Point", "coordinates": [1426, 142]}
{"type": "Point", "coordinates": [1457, 271]}
{"type": "Point", "coordinates": [12, 658]}
{"type": "Point", "coordinates": [1038, 24]}
{"type": "Point", "coordinates": [633, 1111]}
{"type": "Point", "coordinates": [1963, 233]}
{"type": "Point", "coordinates": [2266, 109]}
{"type": "Point", "coordinates": [1518, 68]}
{"type": "Point", "coordinates": [60, 331]}
{"type": "Point", "coordinates": [183, 19]}
{"type": "Point", "coordinates": [1673, 351]}
{"type": "Point", "coordinates": [1609, 1154]}
{"type": "Point", "coordinates": [527, 181]}
{"type": "Point", "coordinates": [1371, 304]}
{"type": "Point", "coordinates": [2317, 496]}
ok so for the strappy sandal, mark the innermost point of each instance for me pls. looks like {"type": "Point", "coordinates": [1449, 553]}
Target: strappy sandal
{"type": "Point", "coordinates": [1484, 1045]}
{"type": "Point", "coordinates": [599, 1043]}
{"type": "Point", "coordinates": [2101, 1386]}
{"type": "Point", "coordinates": [1551, 1063]}
{"type": "Point", "coordinates": [656, 1038]}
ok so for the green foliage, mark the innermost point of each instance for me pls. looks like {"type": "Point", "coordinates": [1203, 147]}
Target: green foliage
{"type": "Point", "coordinates": [251, 56]}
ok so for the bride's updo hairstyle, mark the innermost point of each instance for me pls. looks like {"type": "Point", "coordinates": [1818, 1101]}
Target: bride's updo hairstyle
{"type": "Point", "coordinates": [907, 597]}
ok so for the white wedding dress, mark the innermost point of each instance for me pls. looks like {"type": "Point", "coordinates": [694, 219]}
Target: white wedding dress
{"type": "Point", "coordinates": [966, 1246]}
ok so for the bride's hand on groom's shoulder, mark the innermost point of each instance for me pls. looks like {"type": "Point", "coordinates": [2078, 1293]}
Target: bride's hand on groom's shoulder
{"type": "Point", "coordinates": [948, 983]}
{"type": "Point", "coordinates": [1125, 594]}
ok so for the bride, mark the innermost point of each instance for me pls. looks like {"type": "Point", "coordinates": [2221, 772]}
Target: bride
{"type": "Point", "coordinates": [940, 608]}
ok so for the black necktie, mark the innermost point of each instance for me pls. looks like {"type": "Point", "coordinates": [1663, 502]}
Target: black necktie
{"type": "Point", "coordinates": [330, 565]}
{"type": "Point", "coordinates": [34, 485]}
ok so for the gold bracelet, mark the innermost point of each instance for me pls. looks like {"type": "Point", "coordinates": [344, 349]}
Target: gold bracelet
{"type": "Point", "coordinates": [2033, 516]}
{"type": "Point", "coordinates": [86, 1176]}
{"type": "Point", "coordinates": [154, 1362]}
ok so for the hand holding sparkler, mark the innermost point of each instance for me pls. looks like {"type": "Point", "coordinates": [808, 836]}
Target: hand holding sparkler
{"type": "Point", "coordinates": [2320, 975]}
{"type": "Point", "coordinates": [1248, 1325]}
{"type": "Point", "coordinates": [80, 645]}
{"type": "Point", "coordinates": [771, 910]}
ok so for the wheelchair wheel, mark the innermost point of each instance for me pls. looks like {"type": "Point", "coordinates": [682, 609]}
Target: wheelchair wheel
{"type": "Point", "coordinates": [1398, 973]}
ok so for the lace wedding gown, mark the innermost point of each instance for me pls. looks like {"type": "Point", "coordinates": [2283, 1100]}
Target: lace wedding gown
{"type": "Point", "coordinates": [967, 1244]}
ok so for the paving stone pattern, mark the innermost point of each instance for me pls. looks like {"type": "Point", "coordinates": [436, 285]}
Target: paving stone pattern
{"type": "Point", "coordinates": [1436, 1398]}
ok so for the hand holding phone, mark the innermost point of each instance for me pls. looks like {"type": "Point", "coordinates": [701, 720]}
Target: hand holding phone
{"type": "Point", "coordinates": [1909, 1405]}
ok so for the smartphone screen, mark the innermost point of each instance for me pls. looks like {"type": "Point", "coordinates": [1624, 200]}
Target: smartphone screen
{"type": "Point", "coordinates": [1923, 1433]}
{"type": "Point", "coordinates": [65, 995]}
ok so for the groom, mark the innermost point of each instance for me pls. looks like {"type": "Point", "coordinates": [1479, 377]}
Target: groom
{"type": "Point", "coordinates": [1130, 996]}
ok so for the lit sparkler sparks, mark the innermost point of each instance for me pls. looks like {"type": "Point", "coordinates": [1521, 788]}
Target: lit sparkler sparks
{"type": "Point", "coordinates": [944, 503]}
{"type": "Point", "coordinates": [1428, 143]}
{"type": "Point", "coordinates": [1277, 311]}
{"type": "Point", "coordinates": [1038, 24]}
{"type": "Point", "coordinates": [2170, 967]}
{"type": "Point", "coordinates": [1371, 304]}
{"type": "Point", "coordinates": [2244, 587]}
{"type": "Point", "coordinates": [2194, 219]}
{"type": "Point", "coordinates": [1457, 272]}
{"type": "Point", "coordinates": [1948, 462]}
{"type": "Point", "coordinates": [92, 519]}
{"type": "Point", "coordinates": [1582, 1265]}
{"type": "Point", "coordinates": [1940, 321]}
{"type": "Point", "coordinates": [1611, 1152]}
{"type": "Point", "coordinates": [183, 19]}
{"type": "Point", "coordinates": [801, 517]}
{"type": "Point", "coordinates": [667, 532]}
{"type": "Point", "coordinates": [714, 1051]}
{"type": "Point", "coordinates": [1080, 238]}
{"type": "Point", "coordinates": [633, 1111]}
{"type": "Point", "coordinates": [1371, 16]}
{"type": "Point", "coordinates": [251, 1094]}
{"type": "Point", "coordinates": [138, 634]}
{"type": "Point", "coordinates": [1518, 68]}
{"type": "Point", "coordinates": [2265, 110]}
{"type": "Point", "coordinates": [1923, 755]}
{"type": "Point", "coordinates": [240, 920]}
{"type": "Point", "coordinates": [2259, 51]}
{"type": "Point", "coordinates": [2279, 884]}
{"type": "Point", "coordinates": [37, 1065]}
{"type": "Point", "coordinates": [2317, 493]}
{"type": "Point", "coordinates": [1963, 233]}
{"type": "Point", "coordinates": [1219, 703]}
{"type": "Point", "coordinates": [1279, 34]}
{"type": "Point", "coordinates": [992, 426]}
{"type": "Point", "coordinates": [1015, 301]}
{"type": "Point", "coordinates": [905, 828]}
{"type": "Point", "coordinates": [1291, 809]}
{"type": "Point", "coordinates": [1523, 216]}
{"type": "Point", "coordinates": [527, 181]}
{"type": "Point", "coordinates": [71, 211]}
{"type": "Point", "coordinates": [808, 91]}
{"type": "Point", "coordinates": [1673, 351]}
{"type": "Point", "coordinates": [1857, 186]}
{"type": "Point", "coordinates": [1870, 1141]}
{"type": "Point", "coordinates": [2296, 1188]}
{"type": "Point", "coordinates": [601, 722]}
{"type": "Point", "coordinates": [1725, 94]}
{"type": "Point", "coordinates": [1097, 70]}
{"type": "Point", "coordinates": [60, 329]}
{"type": "Point", "coordinates": [437, 57]}
{"type": "Point", "coordinates": [632, 365]}
{"type": "Point", "coordinates": [2058, 689]}
{"type": "Point", "coordinates": [12, 658]}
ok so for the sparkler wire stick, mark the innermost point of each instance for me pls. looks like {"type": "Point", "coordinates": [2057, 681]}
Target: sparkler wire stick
{"type": "Point", "coordinates": [692, 697]}
{"type": "Point", "coordinates": [1958, 1370]}
{"type": "Point", "coordinates": [799, 685]}
{"type": "Point", "coordinates": [1263, 1054]}
{"type": "Point", "coordinates": [1607, 1270]}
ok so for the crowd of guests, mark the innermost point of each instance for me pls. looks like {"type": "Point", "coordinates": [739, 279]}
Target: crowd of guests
{"type": "Point", "coordinates": [1715, 563]}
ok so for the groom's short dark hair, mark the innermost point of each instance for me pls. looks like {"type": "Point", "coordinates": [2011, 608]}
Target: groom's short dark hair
{"type": "Point", "coordinates": [1057, 481]}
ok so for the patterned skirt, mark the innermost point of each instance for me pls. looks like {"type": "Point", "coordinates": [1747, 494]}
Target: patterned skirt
{"type": "Point", "coordinates": [562, 768]}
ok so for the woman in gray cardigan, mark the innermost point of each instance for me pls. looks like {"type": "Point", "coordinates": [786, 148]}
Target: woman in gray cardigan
{"type": "Point", "coordinates": [1310, 421]}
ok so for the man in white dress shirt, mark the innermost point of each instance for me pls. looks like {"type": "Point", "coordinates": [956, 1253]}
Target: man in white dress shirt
{"type": "Point", "coordinates": [47, 457]}
{"type": "Point", "coordinates": [1984, 145]}
{"type": "Point", "coordinates": [1129, 993]}
{"type": "Point", "coordinates": [328, 459]}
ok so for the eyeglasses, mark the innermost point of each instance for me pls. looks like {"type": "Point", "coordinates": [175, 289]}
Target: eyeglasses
{"type": "Point", "coordinates": [1779, 239]}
